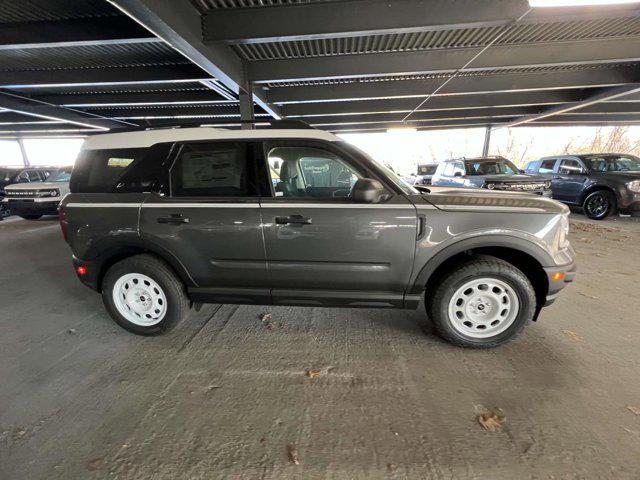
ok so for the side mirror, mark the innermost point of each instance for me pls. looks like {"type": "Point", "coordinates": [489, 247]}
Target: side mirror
{"type": "Point", "coordinates": [368, 190]}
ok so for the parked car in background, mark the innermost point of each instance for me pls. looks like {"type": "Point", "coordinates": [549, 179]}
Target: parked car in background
{"type": "Point", "coordinates": [425, 173]}
{"type": "Point", "coordinates": [600, 183]}
{"type": "Point", "coordinates": [33, 200]}
{"type": "Point", "coordinates": [22, 175]}
{"type": "Point", "coordinates": [492, 173]}
{"type": "Point", "coordinates": [159, 219]}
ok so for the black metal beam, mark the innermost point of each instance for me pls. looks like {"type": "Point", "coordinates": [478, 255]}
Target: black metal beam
{"type": "Point", "coordinates": [311, 21]}
{"type": "Point", "coordinates": [34, 108]}
{"type": "Point", "coordinates": [448, 103]}
{"type": "Point", "coordinates": [179, 23]}
{"type": "Point", "coordinates": [73, 33]}
{"type": "Point", "coordinates": [459, 86]}
{"type": "Point", "coordinates": [499, 57]}
{"type": "Point", "coordinates": [436, 124]}
{"type": "Point", "coordinates": [590, 101]}
{"type": "Point", "coordinates": [123, 112]}
{"type": "Point", "coordinates": [101, 76]}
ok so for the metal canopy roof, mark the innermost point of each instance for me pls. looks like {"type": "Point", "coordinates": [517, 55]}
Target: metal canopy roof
{"type": "Point", "coordinates": [71, 67]}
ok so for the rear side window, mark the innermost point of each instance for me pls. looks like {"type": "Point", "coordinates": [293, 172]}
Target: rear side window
{"type": "Point", "coordinates": [216, 169]}
{"type": "Point", "coordinates": [122, 170]}
{"type": "Point", "coordinates": [531, 167]}
{"type": "Point", "coordinates": [547, 166]}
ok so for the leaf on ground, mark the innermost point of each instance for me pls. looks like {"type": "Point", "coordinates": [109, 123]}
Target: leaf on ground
{"type": "Point", "coordinates": [18, 433]}
{"type": "Point", "coordinates": [268, 321]}
{"type": "Point", "coordinates": [264, 316]}
{"type": "Point", "coordinates": [635, 410]}
{"type": "Point", "coordinates": [492, 420]}
{"type": "Point", "coordinates": [316, 373]}
{"type": "Point", "coordinates": [572, 334]}
{"type": "Point", "coordinates": [293, 455]}
{"type": "Point", "coordinates": [588, 296]}
{"type": "Point", "coordinates": [72, 331]}
{"type": "Point", "coordinates": [95, 464]}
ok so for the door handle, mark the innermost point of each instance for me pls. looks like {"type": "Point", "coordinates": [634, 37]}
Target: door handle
{"type": "Point", "coordinates": [293, 220]}
{"type": "Point", "coordinates": [173, 219]}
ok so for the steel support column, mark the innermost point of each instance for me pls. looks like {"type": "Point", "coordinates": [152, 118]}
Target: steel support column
{"type": "Point", "coordinates": [487, 141]}
{"type": "Point", "coordinates": [247, 114]}
{"type": "Point", "coordinates": [23, 152]}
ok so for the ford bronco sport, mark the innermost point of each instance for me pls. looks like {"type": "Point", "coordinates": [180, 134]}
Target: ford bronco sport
{"type": "Point", "coordinates": [161, 220]}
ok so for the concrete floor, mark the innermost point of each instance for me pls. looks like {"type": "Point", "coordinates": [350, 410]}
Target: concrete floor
{"type": "Point", "coordinates": [224, 395]}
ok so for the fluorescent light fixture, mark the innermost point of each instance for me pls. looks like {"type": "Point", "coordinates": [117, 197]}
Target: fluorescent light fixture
{"type": "Point", "coordinates": [577, 3]}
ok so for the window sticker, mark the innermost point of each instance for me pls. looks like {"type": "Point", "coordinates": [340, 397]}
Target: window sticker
{"type": "Point", "coordinates": [119, 162]}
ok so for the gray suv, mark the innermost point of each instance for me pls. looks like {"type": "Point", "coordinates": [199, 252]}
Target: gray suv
{"type": "Point", "coordinates": [159, 221]}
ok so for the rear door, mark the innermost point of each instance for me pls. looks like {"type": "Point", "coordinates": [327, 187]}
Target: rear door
{"type": "Point", "coordinates": [321, 247]}
{"type": "Point", "coordinates": [208, 217]}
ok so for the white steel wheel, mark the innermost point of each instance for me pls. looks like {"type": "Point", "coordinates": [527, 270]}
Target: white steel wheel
{"type": "Point", "coordinates": [139, 299]}
{"type": "Point", "coordinates": [483, 308]}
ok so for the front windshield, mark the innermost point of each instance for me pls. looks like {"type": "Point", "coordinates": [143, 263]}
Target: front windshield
{"type": "Point", "coordinates": [612, 163]}
{"type": "Point", "coordinates": [427, 169]}
{"type": "Point", "coordinates": [498, 166]}
{"type": "Point", "coordinates": [7, 174]}
{"type": "Point", "coordinates": [399, 182]}
{"type": "Point", "coordinates": [60, 176]}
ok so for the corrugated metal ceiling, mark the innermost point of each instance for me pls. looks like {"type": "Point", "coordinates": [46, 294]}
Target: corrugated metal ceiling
{"type": "Point", "coordinates": [41, 10]}
{"type": "Point", "coordinates": [206, 5]}
{"type": "Point", "coordinates": [94, 56]}
{"type": "Point", "coordinates": [458, 38]}
{"type": "Point", "coordinates": [115, 89]}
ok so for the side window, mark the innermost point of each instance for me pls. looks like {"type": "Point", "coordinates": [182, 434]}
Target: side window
{"type": "Point", "coordinates": [458, 169]}
{"type": "Point", "coordinates": [99, 171]}
{"type": "Point", "coordinates": [217, 169]}
{"type": "Point", "coordinates": [448, 170]}
{"type": "Point", "coordinates": [531, 167]}
{"type": "Point", "coordinates": [301, 171]}
{"type": "Point", "coordinates": [547, 165]}
{"type": "Point", "coordinates": [23, 177]}
{"type": "Point", "coordinates": [34, 176]}
{"type": "Point", "coordinates": [570, 167]}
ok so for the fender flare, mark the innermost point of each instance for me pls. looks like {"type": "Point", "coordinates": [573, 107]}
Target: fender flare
{"type": "Point", "coordinates": [506, 241]}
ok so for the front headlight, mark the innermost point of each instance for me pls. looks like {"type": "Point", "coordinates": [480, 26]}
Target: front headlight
{"type": "Point", "coordinates": [634, 186]}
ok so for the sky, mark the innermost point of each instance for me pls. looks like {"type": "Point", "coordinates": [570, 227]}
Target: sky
{"type": "Point", "coordinates": [401, 150]}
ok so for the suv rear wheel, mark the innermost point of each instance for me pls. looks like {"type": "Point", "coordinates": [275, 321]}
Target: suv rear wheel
{"type": "Point", "coordinates": [482, 303]}
{"type": "Point", "coordinates": [143, 295]}
{"type": "Point", "coordinates": [599, 205]}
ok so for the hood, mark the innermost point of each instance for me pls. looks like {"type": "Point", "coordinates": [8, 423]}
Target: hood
{"type": "Point", "coordinates": [479, 200]}
{"type": "Point", "coordinates": [519, 178]}
{"type": "Point", "coordinates": [38, 186]}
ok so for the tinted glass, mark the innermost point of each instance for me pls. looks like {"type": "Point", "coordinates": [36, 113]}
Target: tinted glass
{"type": "Point", "coordinates": [99, 171]}
{"type": "Point", "coordinates": [427, 169]}
{"type": "Point", "coordinates": [490, 167]}
{"type": "Point", "coordinates": [212, 170]}
{"type": "Point", "coordinates": [7, 174]}
{"type": "Point", "coordinates": [570, 167]}
{"type": "Point", "coordinates": [531, 167]}
{"type": "Point", "coordinates": [310, 172]}
{"type": "Point", "coordinates": [547, 166]}
{"type": "Point", "coordinates": [612, 163]}
{"type": "Point", "coordinates": [61, 176]}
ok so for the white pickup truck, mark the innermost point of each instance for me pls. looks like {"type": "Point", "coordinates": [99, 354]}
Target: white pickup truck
{"type": "Point", "coordinates": [33, 200]}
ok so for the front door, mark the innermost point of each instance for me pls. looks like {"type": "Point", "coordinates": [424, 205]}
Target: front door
{"type": "Point", "coordinates": [569, 181]}
{"type": "Point", "coordinates": [324, 249]}
{"type": "Point", "coordinates": [209, 218]}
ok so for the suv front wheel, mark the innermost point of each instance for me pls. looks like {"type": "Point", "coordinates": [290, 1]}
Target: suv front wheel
{"type": "Point", "coordinates": [483, 303]}
{"type": "Point", "coordinates": [143, 295]}
{"type": "Point", "coordinates": [599, 205]}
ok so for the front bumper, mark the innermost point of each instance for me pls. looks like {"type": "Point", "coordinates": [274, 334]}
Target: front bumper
{"type": "Point", "coordinates": [556, 285]}
{"type": "Point", "coordinates": [629, 202]}
{"type": "Point", "coordinates": [31, 206]}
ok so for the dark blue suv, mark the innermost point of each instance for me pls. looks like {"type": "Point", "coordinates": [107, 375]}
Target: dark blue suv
{"type": "Point", "coordinates": [600, 183]}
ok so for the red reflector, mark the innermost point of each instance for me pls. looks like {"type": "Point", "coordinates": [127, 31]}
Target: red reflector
{"type": "Point", "coordinates": [557, 276]}
{"type": "Point", "coordinates": [81, 270]}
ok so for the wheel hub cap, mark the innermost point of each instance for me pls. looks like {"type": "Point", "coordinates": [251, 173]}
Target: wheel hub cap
{"type": "Point", "coordinates": [139, 299]}
{"type": "Point", "coordinates": [484, 307]}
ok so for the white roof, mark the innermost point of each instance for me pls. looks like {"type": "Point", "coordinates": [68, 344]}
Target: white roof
{"type": "Point", "coordinates": [146, 138]}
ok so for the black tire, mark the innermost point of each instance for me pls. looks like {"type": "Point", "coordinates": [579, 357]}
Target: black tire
{"type": "Point", "coordinates": [31, 217]}
{"type": "Point", "coordinates": [177, 303]}
{"type": "Point", "coordinates": [478, 267]}
{"type": "Point", "coordinates": [599, 205]}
